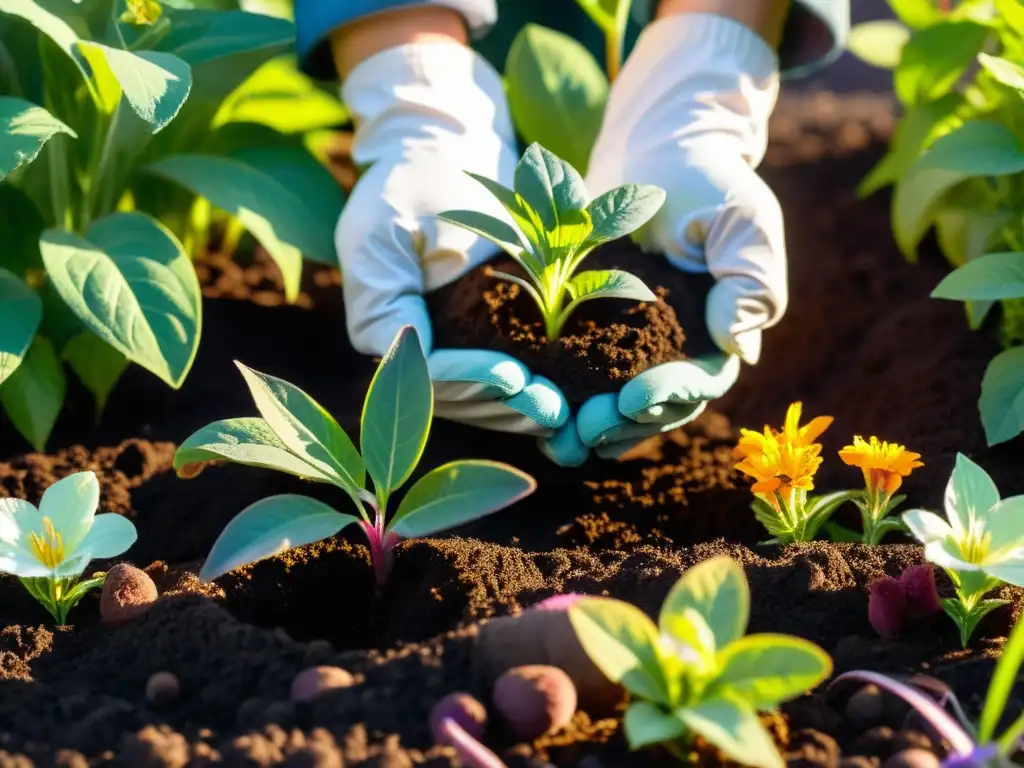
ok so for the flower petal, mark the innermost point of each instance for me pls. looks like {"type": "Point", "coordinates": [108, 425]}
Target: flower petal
{"type": "Point", "coordinates": [73, 566]}
{"type": "Point", "coordinates": [109, 536]}
{"type": "Point", "coordinates": [815, 427]}
{"type": "Point", "coordinates": [16, 517]}
{"type": "Point", "coordinates": [20, 563]}
{"type": "Point", "coordinates": [926, 526]}
{"type": "Point", "coordinates": [946, 553]}
{"type": "Point", "coordinates": [71, 505]}
{"type": "Point", "coordinates": [1010, 570]}
{"type": "Point", "coordinates": [970, 493]}
{"type": "Point", "coordinates": [1005, 523]}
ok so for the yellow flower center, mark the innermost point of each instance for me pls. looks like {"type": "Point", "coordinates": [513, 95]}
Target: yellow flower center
{"type": "Point", "coordinates": [976, 545]}
{"type": "Point", "coordinates": [48, 547]}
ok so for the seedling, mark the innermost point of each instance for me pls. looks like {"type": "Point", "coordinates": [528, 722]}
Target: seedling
{"type": "Point", "coordinates": [695, 673]}
{"type": "Point", "coordinates": [561, 225]}
{"type": "Point", "coordinates": [884, 465]}
{"type": "Point", "coordinates": [296, 435]}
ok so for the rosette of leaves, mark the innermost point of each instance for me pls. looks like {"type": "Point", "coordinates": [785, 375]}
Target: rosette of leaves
{"type": "Point", "coordinates": [122, 124]}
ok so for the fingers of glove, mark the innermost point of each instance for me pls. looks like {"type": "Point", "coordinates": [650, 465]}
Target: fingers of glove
{"type": "Point", "coordinates": [465, 375]}
{"type": "Point", "coordinates": [615, 451]}
{"type": "Point", "coordinates": [666, 392]}
{"type": "Point", "coordinates": [565, 448]}
{"type": "Point", "coordinates": [735, 313]}
{"type": "Point", "coordinates": [600, 422]}
{"type": "Point", "coordinates": [538, 409]}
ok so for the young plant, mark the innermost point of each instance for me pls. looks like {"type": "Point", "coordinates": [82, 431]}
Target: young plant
{"type": "Point", "coordinates": [980, 544]}
{"type": "Point", "coordinates": [296, 435]}
{"type": "Point", "coordinates": [884, 466]}
{"type": "Point", "coordinates": [783, 464]}
{"type": "Point", "coordinates": [49, 548]}
{"type": "Point", "coordinates": [561, 226]}
{"type": "Point", "coordinates": [694, 673]}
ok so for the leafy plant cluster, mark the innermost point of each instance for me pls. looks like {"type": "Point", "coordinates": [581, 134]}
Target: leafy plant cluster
{"type": "Point", "coordinates": [127, 129]}
{"type": "Point", "coordinates": [956, 164]}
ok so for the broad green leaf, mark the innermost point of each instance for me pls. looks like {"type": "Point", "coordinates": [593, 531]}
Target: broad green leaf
{"type": "Point", "coordinates": [964, 234]}
{"type": "Point", "coordinates": [269, 527]}
{"type": "Point", "coordinates": [1002, 396]}
{"type": "Point", "coordinates": [248, 440]}
{"type": "Point", "coordinates": [1007, 72]}
{"type": "Point", "coordinates": [457, 493]}
{"type": "Point", "coordinates": [623, 643]}
{"type": "Point", "coordinates": [766, 670]}
{"type": "Point", "coordinates": [34, 394]}
{"type": "Point", "coordinates": [20, 314]}
{"type": "Point", "coordinates": [647, 725]}
{"type": "Point", "coordinates": [556, 92]}
{"type": "Point", "coordinates": [49, 24]}
{"type": "Point", "coordinates": [735, 729]}
{"type": "Point", "coordinates": [878, 43]}
{"type": "Point", "coordinates": [622, 211]}
{"type": "Point", "coordinates": [993, 276]}
{"type": "Point", "coordinates": [1011, 12]}
{"type": "Point", "coordinates": [97, 365]}
{"type": "Point", "coordinates": [608, 284]}
{"type": "Point", "coordinates": [916, 13]}
{"type": "Point", "coordinates": [155, 84]}
{"type": "Point", "coordinates": [396, 415]}
{"type": "Point", "coordinates": [935, 58]}
{"type": "Point", "coordinates": [24, 129]}
{"type": "Point", "coordinates": [717, 589]}
{"type": "Point", "coordinates": [21, 224]}
{"type": "Point", "coordinates": [306, 429]}
{"type": "Point", "coordinates": [549, 186]}
{"type": "Point", "coordinates": [489, 227]}
{"type": "Point", "coordinates": [129, 281]}
{"type": "Point", "coordinates": [970, 493]}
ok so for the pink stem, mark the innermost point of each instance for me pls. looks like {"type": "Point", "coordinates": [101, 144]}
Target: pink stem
{"type": "Point", "coordinates": [470, 751]}
{"type": "Point", "coordinates": [382, 544]}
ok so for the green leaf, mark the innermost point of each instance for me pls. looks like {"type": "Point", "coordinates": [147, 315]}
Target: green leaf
{"type": "Point", "coordinates": [970, 493]}
{"type": "Point", "coordinates": [556, 91]}
{"type": "Point", "coordinates": [717, 589]}
{"type": "Point", "coordinates": [1011, 13]}
{"type": "Point", "coordinates": [735, 729]}
{"type": "Point", "coordinates": [935, 58]}
{"type": "Point", "coordinates": [820, 508]}
{"type": "Point", "coordinates": [916, 13]}
{"type": "Point", "coordinates": [458, 493]}
{"type": "Point", "coordinates": [622, 642]}
{"type": "Point", "coordinates": [487, 226]}
{"type": "Point", "coordinates": [608, 284]}
{"type": "Point", "coordinates": [1002, 396]}
{"type": "Point", "coordinates": [993, 276]}
{"type": "Point", "coordinates": [97, 365]}
{"type": "Point", "coordinates": [20, 314]}
{"type": "Point", "coordinates": [24, 129]}
{"type": "Point", "coordinates": [1007, 72]}
{"type": "Point", "coordinates": [396, 415]}
{"type": "Point", "coordinates": [34, 394]}
{"type": "Point", "coordinates": [878, 43]}
{"type": "Point", "coordinates": [307, 430]}
{"type": "Point", "coordinates": [21, 223]}
{"type": "Point", "coordinates": [129, 281]}
{"type": "Point", "coordinates": [1002, 682]}
{"type": "Point", "coordinates": [523, 216]}
{"type": "Point", "coordinates": [49, 24]}
{"type": "Point", "coordinates": [622, 211]}
{"type": "Point", "coordinates": [766, 670]}
{"type": "Point", "coordinates": [248, 440]}
{"type": "Point", "coordinates": [549, 185]}
{"type": "Point", "coordinates": [964, 234]}
{"type": "Point", "coordinates": [647, 725]}
{"type": "Point", "coordinates": [154, 84]}
{"type": "Point", "coordinates": [269, 527]}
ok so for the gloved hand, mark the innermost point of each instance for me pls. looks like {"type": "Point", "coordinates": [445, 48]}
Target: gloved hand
{"type": "Point", "coordinates": [425, 113]}
{"type": "Point", "coordinates": [689, 113]}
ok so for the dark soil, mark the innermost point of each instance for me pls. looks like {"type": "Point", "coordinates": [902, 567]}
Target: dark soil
{"type": "Point", "coordinates": [862, 342]}
{"type": "Point", "coordinates": [604, 344]}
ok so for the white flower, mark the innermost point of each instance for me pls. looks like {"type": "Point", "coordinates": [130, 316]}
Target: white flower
{"type": "Point", "coordinates": [982, 533]}
{"type": "Point", "coordinates": [60, 538]}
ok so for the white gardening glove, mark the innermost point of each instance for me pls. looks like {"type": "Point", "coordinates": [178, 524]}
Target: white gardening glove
{"type": "Point", "coordinates": [424, 114]}
{"type": "Point", "coordinates": [689, 113]}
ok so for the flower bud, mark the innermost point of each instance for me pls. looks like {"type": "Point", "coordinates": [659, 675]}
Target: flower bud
{"type": "Point", "coordinates": [919, 591]}
{"type": "Point", "coordinates": [887, 610]}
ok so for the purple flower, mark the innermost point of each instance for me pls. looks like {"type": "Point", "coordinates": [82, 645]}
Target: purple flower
{"type": "Point", "coordinates": [894, 604]}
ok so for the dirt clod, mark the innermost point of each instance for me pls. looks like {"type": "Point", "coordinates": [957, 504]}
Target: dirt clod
{"type": "Point", "coordinates": [127, 595]}
{"type": "Point", "coordinates": [163, 688]}
{"type": "Point", "coordinates": [316, 681]}
{"type": "Point", "coordinates": [534, 700]}
{"type": "Point", "coordinates": [464, 709]}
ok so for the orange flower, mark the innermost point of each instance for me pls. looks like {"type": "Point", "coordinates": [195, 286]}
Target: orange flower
{"type": "Point", "coordinates": [884, 464]}
{"type": "Point", "coordinates": [792, 433]}
{"type": "Point", "coordinates": [778, 466]}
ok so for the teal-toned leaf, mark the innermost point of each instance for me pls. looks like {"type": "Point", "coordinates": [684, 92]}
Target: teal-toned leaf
{"type": "Point", "coordinates": [622, 211]}
{"type": "Point", "coordinates": [489, 227]}
{"type": "Point", "coordinates": [1007, 72]}
{"type": "Point", "coordinates": [550, 186]}
{"type": "Point", "coordinates": [458, 493]}
{"type": "Point", "coordinates": [878, 43]}
{"type": "Point", "coordinates": [129, 281]}
{"type": "Point", "coordinates": [1002, 396]}
{"type": "Point", "coordinates": [647, 725]}
{"type": "Point", "coordinates": [717, 589]}
{"type": "Point", "coordinates": [24, 129]}
{"type": "Point", "coordinates": [608, 284]}
{"type": "Point", "coordinates": [21, 223]}
{"type": "Point", "coordinates": [993, 276]}
{"type": "Point", "coordinates": [766, 670]}
{"type": "Point", "coordinates": [48, 23]}
{"type": "Point", "coordinates": [97, 364]}
{"type": "Point", "coordinates": [396, 415]}
{"type": "Point", "coordinates": [34, 394]}
{"type": "Point", "coordinates": [935, 58]}
{"type": "Point", "coordinates": [307, 429]}
{"type": "Point", "coordinates": [735, 729]}
{"type": "Point", "coordinates": [248, 440]}
{"type": "Point", "coordinates": [623, 643]}
{"type": "Point", "coordinates": [556, 92]}
{"type": "Point", "coordinates": [269, 527]}
{"type": "Point", "coordinates": [524, 217]}
{"type": "Point", "coordinates": [20, 314]}
{"type": "Point", "coordinates": [970, 493]}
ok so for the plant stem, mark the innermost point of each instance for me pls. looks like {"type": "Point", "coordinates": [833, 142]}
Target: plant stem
{"type": "Point", "coordinates": [471, 752]}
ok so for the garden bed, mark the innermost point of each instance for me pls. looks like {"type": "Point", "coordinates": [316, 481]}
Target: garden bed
{"type": "Point", "coordinates": [862, 342]}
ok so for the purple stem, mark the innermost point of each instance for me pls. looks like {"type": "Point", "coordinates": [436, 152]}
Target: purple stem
{"type": "Point", "coordinates": [978, 758]}
{"type": "Point", "coordinates": [470, 751]}
{"type": "Point", "coordinates": [382, 545]}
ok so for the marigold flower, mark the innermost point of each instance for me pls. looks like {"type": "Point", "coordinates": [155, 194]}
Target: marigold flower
{"type": "Point", "coordinates": [884, 464]}
{"type": "Point", "coordinates": [778, 466]}
{"type": "Point", "coordinates": [792, 433]}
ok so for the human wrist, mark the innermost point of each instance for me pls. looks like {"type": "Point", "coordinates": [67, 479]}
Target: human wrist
{"type": "Point", "coordinates": [767, 18]}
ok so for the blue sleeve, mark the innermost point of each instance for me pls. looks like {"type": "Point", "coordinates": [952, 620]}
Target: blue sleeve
{"type": "Point", "coordinates": [316, 19]}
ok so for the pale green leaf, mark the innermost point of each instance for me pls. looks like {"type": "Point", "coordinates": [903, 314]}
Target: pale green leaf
{"type": "Point", "coordinates": [269, 527]}
{"type": "Point", "coordinates": [608, 284]}
{"type": "Point", "coordinates": [916, 13]}
{"type": "Point", "coordinates": [34, 394]}
{"type": "Point", "coordinates": [24, 129]}
{"type": "Point", "coordinates": [647, 725]}
{"type": "Point", "coordinates": [20, 314]}
{"type": "Point", "coordinates": [970, 493]}
{"type": "Point", "coordinates": [765, 670]}
{"type": "Point", "coordinates": [735, 729]}
{"type": "Point", "coordinates": [993, 276]}
{"type": "Point", "coordinates": [1007, 72]}
{"type": "Point", "coordinates": [878, 43]}
{"type": "Point", "coordinates": [549, 185]}
{"type": "Point", "coordinates": [935, 58]}
{"type": "Point", "coordinates": [129, 281]}
{"type": "Point", "coordinates": [622, 211]}
{"type": "Point", "coordinates": [717, 589]}
{"type": "Point", "coordinates": [247, 440]}
{"type": "Point", "coordinates": [1002, 396]}
{"type": "Point", "coordinates": [457, 493]}
{"type": "Point", "coordinates": [1011, 12]}
{"type": "Point", "coordinates": [487, 226]}
{"type": "Point", "coordinates": [97, 364]}
{"type": "Point", "coordinates": [964, 234]}
{"type": "Point", "coordinates": [518, 209]}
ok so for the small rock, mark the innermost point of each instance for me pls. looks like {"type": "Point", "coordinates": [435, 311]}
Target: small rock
{"type": "Point", "coordinates": [465, 710]}
{"type": "Point", "coordinates": [315, 681]}
{"type": "Point", "coordinates": [128, 594]}
{"type": "Point", "coordinates": [163, 688]}
{"type": "Point", "coordinates": [874, 742]}
{"type": "Point", "coordinates": [910, 739]}
{"type": "Point", "coordinates": [912, 758]}
{"type": "Point", "coordinates": [535, 700]}
{"type": "Point", "coordinates": [858, 761]}
{"type": "Point", "coordinates": [865, 708]}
